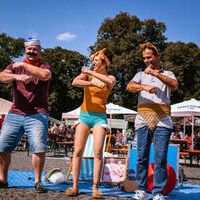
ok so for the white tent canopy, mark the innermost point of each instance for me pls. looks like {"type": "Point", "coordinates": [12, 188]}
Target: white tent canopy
{"type": "Point", "coordinates": [110, 109]}
{"type": "Point", "coordinates": [115, 109]}
{"type": "Point", "coordinates": [186, 109]}
{"type": "Point", "coordinates": [5, 106]}
{"type": "Point", "coordinates": [74, 114]}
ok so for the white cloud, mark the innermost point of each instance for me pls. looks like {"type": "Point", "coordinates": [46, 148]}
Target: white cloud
{"type": "Point", "coordinates": [65, 36]}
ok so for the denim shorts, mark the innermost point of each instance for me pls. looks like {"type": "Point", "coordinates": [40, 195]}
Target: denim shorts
{"type": "Point", "coordinates": [14, 127]}
{"type": "Point", "coordinates": [92, 119]}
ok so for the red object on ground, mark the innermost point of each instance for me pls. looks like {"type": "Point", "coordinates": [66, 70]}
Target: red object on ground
{"type": "Point", "coordinates": [1, 122]}
{"type": "Point", "coordinates": [171, 181]}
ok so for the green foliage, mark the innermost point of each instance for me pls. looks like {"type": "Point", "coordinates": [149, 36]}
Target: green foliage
{"type": "Point", "coordinates": [10, 49]}
{"type": "Point", "coordinates": [123, 35]}
{"type": "Point", "coordinates": [184, 60]}
{"type": "Point", "coordinates": [65, 65]}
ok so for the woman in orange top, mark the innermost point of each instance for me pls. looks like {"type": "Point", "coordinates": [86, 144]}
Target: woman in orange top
{"type": "Point", "coordinates": [97, 86]}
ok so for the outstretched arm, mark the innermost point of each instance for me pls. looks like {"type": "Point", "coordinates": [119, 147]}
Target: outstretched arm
{"type": "Point", "coordinates": [42, 74]}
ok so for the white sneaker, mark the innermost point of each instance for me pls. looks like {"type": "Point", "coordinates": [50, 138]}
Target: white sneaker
{"type": "Point", "coordinates": [158, 197]}
{"type": "Point", "coordinates": [140, 195]}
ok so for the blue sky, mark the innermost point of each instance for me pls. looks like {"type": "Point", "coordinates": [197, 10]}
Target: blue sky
{"type": "Point", "coordinates": [73, 24]}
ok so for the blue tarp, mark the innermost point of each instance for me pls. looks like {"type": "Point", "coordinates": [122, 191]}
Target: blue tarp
{"type": "Point", "coordinates": [25, 180]}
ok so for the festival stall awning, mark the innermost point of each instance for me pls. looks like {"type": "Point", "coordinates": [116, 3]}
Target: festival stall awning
{"type": "Point", "coordinates": [74, 114]}
{"type": "Point", "coordinates": [115, 109]}
{"type": "Point", "coordinates": [188, 108]}
{"type": "Point", "coordinates": [111, 109]}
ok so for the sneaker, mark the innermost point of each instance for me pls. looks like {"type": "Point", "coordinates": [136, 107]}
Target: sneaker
{"type": "Point", "coordinates": [158, 197]}
{"type": "Point", "coordinates": [39, 188]}
{"type": "Point", "coordinates": [140, 195]}
{"type": "Point", "coordinates": [3, 185]}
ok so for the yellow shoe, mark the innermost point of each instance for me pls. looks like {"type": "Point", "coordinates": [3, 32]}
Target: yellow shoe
{"type": "Point", "coordinates": [71, 192]}
{"type": "Point", "coordinates": [97, 194]}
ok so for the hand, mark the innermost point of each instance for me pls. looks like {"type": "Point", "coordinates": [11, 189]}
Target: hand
{"type": "Point", "coordinates": [85, 70]}
{"type": "Point", "coordinates": [18, 65]}
{"type": "Point", "coordinates": [149, 70]}
{"type": "Point", "coordinates": [97, 83]}
{"type": "Point", "coordinates": [151, 89]}
{"type": "Point", "coordinates": [23, 77]}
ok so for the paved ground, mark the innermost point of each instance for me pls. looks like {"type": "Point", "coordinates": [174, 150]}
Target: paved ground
{"type": "Point", "coordinates": [22, 162]}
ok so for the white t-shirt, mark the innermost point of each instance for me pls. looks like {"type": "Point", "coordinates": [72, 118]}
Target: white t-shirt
{"type": "Point", "coordinates": [162, 96]}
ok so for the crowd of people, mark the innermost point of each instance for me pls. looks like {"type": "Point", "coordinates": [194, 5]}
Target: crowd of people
{"type": "Point", "coordinates": [123, 137]}
{"type": "Point", "coordinates": [180, 135]}
{"type": "Point", "coordinates": [61, 130]}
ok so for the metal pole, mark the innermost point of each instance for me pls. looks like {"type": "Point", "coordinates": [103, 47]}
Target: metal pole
{"type": "Point", "coordinates": [184, 125]}
{"type": "Point", "coordinates": [192, 131]}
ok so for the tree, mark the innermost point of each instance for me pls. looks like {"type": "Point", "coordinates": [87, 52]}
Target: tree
{"type": "Point", "coordinates": [10, 49]}
{"type": "Point", "coordinates": [184, 60]}
{"type": "Point", "coordinates": [122, 35]}
{"type": "Point", "coordinates": [66, 65]}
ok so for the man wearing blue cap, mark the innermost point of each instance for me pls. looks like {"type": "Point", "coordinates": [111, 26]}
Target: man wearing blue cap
{"type": "Point", "coordinates": [29, 112]}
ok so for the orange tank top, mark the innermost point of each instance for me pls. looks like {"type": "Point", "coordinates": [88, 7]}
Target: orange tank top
{"type": "Point", "coordinates": [95, 99]}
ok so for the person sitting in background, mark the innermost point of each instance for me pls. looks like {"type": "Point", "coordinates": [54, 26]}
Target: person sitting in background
{"type": "Point", "coordinates": [51, 124]}
{"type": "Point", "coordinates": [189, 140]}
{"type": "Point", "coordinates": [113, 140]}
{"type": "Point", "coordinates": [197, 142]}
{"type": "Point", "coordinates": [178, 137]}
{"type": "Point", "coordinates": [129, 134]}
{"type": "Point", "coordinates": [119, 137]}
{"type": "Point", "coordinates": [173, 136]}
{"type": "Point", "coordinates": [72, 132]}
{"type": "Point", "coordinates": [182, 135]}
{"type": "Point", "coordinates": [54, 129]}
{"type": "Point", "coordinates": [62, 129]}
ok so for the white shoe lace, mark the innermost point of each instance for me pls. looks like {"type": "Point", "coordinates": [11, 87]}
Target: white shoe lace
{"type": "Point", "coordinates": [140, 195]}
{"type": "Point", "coordinates": [158, 197]}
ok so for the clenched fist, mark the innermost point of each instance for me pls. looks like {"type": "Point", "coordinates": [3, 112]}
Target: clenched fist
{"type": "Point", "coordinates": [18, 65]}
{"type": "Point", "coordinates": [85, 70]}
{"type": "Point", "coordinates": [151, 89]}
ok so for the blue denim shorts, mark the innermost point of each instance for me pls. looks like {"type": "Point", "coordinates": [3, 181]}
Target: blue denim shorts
{"type": "Point", "coordinates": [14, 127]}
{"type": "Point", "coordinates": [92, 119]}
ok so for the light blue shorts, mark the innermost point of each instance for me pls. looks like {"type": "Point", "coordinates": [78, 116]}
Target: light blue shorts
{"type": "Point", "coordinates": [14, 127]}
{"type": "Point", "coordinates": [93, 119]}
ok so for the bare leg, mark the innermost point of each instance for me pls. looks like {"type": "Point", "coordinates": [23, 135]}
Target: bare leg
{"type": "Point", "coordinates": [38, 160]}
{"type": "Point", "coordinates": [99, 136]}
{"type": "Point", "coordinates": [5, 159]}
{"type": "Point", "coordinates": [81, 136]}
